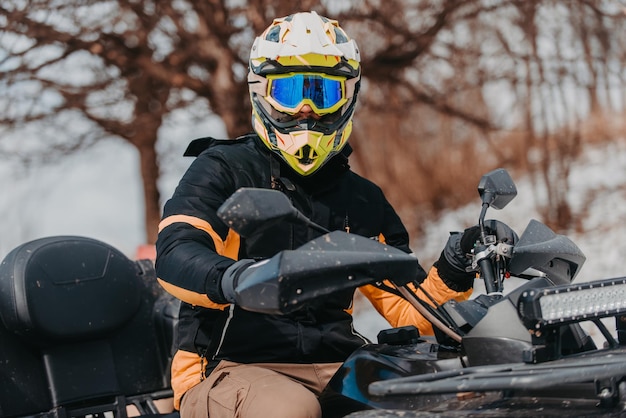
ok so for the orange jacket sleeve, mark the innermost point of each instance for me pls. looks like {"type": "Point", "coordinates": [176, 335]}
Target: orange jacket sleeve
{"type": "Point", "coordinates": [399, 312]}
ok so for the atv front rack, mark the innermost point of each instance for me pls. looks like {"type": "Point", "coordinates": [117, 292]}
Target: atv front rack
{"type": "Point", "coordinates": [601, 370]}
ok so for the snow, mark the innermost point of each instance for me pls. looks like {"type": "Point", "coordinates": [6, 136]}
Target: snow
{"type": "Point", "coordinates": [599, 174]}
{"type": "Point", "coordinates": [97, 194]}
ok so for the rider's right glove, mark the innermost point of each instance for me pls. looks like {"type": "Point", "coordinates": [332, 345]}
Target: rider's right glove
{"type": "Point", "coordinates": [455, 260]}
{"type": "Point", "coordinates": [231, 278]}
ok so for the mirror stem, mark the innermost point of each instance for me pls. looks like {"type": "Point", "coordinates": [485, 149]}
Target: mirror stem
{"type": "Point", "coordinates": [301, 218]}
{"type": "Point", "coordinates": [481, 221]}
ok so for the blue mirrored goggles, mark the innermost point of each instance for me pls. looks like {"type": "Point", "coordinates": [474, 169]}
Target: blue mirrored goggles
{"type": "Point", "coordinates": [289, 92]}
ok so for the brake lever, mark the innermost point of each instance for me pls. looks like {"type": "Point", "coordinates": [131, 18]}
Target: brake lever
{"type": "Point", "coordinates": [485, 261]}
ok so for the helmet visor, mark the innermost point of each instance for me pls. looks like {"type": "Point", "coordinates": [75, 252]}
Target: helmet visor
{"type": "Point", "coordinates": [289, 92]}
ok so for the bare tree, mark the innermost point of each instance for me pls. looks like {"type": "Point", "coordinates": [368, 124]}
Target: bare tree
{"type": "Point", "coordinates": [435, 75]}
{"type": "Point", "coordinates": [124, 66]}
{"type": "Point", "coordinates": [569, 64]}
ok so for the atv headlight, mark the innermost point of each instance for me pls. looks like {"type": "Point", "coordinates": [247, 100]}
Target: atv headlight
{"type": "Point", "coordinates": [539, 308]}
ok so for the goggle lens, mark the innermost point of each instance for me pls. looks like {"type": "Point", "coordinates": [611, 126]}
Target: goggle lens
{"type": "Point", "coordinates": [325, 94]}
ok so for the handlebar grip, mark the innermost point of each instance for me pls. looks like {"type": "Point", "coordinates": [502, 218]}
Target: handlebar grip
{"type": "Point", "coordinates": [488, 277]}
{"type": "Point", "coordinates": [486, 269]}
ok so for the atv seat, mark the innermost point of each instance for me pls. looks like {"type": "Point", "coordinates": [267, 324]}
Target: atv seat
{"type": "Point", "coordinates": [82, 331]}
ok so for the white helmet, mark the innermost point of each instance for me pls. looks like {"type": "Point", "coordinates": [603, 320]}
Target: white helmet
{"type": "Point", "coordinates": [303, 59]}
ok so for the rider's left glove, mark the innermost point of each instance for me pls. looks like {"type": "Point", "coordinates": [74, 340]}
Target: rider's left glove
{"type": "Point", "coordinates": [455, 259]}
{"type": "Point", "coordinates": [231, 278]}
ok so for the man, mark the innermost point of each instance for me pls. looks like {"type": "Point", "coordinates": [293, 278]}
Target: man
{"type": "Point", "coordinates": [304, 80]}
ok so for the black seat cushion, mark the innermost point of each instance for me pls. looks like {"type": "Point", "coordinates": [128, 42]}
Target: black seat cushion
{"type": "Point", "coordinates": [67, 288]}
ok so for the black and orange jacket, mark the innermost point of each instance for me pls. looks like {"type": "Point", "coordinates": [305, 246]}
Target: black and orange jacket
{"type": "Point", "coordinates": [194, 247]}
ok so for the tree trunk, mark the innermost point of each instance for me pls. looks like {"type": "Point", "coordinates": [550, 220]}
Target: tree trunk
{"type": "Point", "coordinates": [149, 167]}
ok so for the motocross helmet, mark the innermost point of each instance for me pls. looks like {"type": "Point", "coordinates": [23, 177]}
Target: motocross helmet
{"type": "Point", "coordinates": [303, 59]}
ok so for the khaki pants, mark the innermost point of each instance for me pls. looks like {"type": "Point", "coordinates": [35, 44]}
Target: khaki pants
{"type": "Point", "coordinates": [262, 390]}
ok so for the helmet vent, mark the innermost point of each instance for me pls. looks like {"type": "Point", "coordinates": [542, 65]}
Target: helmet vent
{"type": "Point", "coordinates": [306, 155]}
{"type": "Point", "coordinates": [340, 37]}
{"type": "Point", "coordinates": [273, 35]}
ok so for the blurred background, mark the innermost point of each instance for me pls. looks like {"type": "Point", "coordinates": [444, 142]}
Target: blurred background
{"type": "Point", "coordinates": [99, 99]}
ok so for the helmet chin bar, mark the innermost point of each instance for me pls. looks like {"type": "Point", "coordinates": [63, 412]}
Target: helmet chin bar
{"type": "Point", "coordinates": [306, 151]}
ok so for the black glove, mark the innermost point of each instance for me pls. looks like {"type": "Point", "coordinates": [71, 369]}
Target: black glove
{"type": "Point", "coordinates": [231, 276]}
{"type": "Point", "coordinates": [455, 259]}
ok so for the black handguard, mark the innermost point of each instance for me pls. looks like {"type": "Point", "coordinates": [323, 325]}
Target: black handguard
{"type": "Point", "coordinates": [230, 278]}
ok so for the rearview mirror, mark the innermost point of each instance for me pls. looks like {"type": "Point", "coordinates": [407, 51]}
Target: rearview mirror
{"type": "Point", "coordinates": [497, 188]}
{"type": "Point", "coordinates": [250, 210]}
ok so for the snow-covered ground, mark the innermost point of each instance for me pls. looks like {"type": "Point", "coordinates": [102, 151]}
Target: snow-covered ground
{"type": "Point", "coordinates": [98, 194]}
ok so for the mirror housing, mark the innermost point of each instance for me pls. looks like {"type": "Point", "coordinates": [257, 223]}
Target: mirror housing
{"type": "Point", "coordinates": [496, 188]}
{"type": "Point", "coordinates": [250, 210]}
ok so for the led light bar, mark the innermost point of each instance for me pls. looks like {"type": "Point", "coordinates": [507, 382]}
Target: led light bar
{"type": "Point", "coordinates": [558, 305]}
